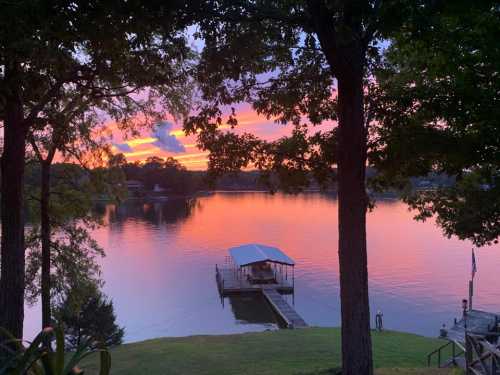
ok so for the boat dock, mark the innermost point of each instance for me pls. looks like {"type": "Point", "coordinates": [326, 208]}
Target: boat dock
{"type": "Point", "coordinates": [261, 269]}
{"type": "Point", "coordinates": [230, 281]}
{"type": "Point", "coordinates": [473, 341]}
{"type": "Point", "coordinates": [474, 321]}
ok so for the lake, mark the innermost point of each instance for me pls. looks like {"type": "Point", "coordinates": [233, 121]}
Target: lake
{"type": "Point", "coordinates": [160, 264]}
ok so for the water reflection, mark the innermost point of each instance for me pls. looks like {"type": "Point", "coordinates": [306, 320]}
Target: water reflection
{"type": "Point", "coordinates": [252, 309]}
{"type": "Point", "coordinates": [161, 257]}
{"type": "Point", "coordinates": [169, 211]}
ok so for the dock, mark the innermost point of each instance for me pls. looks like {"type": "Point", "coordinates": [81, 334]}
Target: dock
{"type": "Point", "coordinates": [231, 282]}
{"type": "Point", "coordinates": [475, 321]}
{"type": "Point", "coordinates": [261, 269]}
{"type": "Point", "coordinates": [474, 341]}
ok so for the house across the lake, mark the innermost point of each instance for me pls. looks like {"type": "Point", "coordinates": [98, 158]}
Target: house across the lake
{"type": "Point", "coordinates": [135, 188]}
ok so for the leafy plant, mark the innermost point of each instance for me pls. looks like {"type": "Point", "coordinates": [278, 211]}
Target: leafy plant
{"type": "Point", "coordinates": [39, 359]}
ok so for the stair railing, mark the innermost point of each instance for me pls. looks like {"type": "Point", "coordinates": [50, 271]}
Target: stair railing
{"type": "Point", "coordinates": [456, 351]}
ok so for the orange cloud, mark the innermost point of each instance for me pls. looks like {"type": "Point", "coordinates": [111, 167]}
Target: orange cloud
{"type": "Point", "coordinates": [188, 162]}
{"type": "Point", "coordinates": [140, 153]}
{"type": "Point", "coordinates": [190, 156]}
{"type": "Point", "coordinates": [140, 141]}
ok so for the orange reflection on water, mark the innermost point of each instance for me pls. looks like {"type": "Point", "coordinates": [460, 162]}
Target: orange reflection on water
{"type": "Point", "coordinates": [161, 258]}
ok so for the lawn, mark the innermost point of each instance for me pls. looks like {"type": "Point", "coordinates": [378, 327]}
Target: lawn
{"type": "Point", "coordinates": [302, 351]}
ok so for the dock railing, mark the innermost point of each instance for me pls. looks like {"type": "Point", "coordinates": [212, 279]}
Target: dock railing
{"type": "Point", "coordinates": [233, 279]}
{"type": "Point", "coordinates": [219, 277]}
{"type": "Point", "coordinates": [482, 357]}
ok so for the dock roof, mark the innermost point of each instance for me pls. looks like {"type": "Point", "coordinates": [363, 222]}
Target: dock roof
{"type": "Point", "coordinates": [245, 255]}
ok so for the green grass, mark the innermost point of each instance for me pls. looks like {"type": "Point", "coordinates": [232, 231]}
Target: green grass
{"type": "Point", "coordinates": [302, 351]}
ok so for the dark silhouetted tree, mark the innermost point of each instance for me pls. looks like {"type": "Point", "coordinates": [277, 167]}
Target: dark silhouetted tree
{"type": "Point", "coordinates": [438, 106]}
{"type": "Point", "coordinates": [106, 48]}
{"type": "Point", "coordinates": [86, 315]}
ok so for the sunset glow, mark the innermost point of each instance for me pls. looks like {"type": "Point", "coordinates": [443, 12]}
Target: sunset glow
{"type": "Point", "coordinates": [144, 146]}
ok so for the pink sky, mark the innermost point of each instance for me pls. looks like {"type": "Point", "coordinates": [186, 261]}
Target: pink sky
{"type": "Point", "coordinates": [140, 148]}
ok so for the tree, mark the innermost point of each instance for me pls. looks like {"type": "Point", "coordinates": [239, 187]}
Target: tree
{"type": "Point", "coordinates": [63, 128]}
{"type": "Point", "coordinates": [167, 173]}
{"type": "Point", "coordinates": [302, 60]}
{"type": "Point", "coordinates": [68, 126]}
{"type": "Point", "coordinates": [106, 48]}
{"type": "Point", "coordinates": [73, 252]}
{"type": "Point", "coordinates": [437, 108]}
{"type": "Point", "coordinates": [305, 60]}
{"type": "Point", "coordinates": [73, 259]}
{"type": "Point", "coordinates": [87, 316]}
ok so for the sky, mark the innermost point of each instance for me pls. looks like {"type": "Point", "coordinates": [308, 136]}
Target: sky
{"type": "Point", "coordinates": [167, 138]}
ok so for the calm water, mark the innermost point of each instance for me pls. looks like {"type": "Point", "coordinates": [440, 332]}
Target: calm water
{"type": "Point", "coordinates": [160, 265]}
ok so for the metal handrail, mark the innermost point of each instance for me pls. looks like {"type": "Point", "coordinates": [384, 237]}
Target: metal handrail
{"type": "Point", "coordinates": [438, 352]}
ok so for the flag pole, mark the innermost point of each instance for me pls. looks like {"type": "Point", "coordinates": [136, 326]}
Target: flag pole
{"type": "Point", "coordinates": [471, 293]}
{"type": "Point", "coordinates": [471, 281]}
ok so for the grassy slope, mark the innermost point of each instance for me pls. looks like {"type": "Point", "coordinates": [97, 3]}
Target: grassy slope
{"type": "Point", "coordinates": [304, 351]}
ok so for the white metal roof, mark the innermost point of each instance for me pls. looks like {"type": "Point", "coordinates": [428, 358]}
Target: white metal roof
{"type": "Point", "coordinates": [254, 253]}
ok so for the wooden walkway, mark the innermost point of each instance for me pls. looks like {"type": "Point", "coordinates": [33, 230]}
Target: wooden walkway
{"type": "Point", "coordinates": [285, 311]}
{"type": "Point", "coordinates": [230, 281]}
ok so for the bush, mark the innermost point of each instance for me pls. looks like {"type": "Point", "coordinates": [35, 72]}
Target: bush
{"type": "Point", "coordinates": [87, 315]}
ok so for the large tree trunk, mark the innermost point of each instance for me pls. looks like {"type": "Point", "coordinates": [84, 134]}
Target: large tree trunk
{"type": "Point", "coordinates": [45, 234]}
{"type": "Point", "coordinates": [356, 340]}
{"type": "Point", "coordinates": [12, 244]}
{"type": "Point", "coordinates": [340, 40]}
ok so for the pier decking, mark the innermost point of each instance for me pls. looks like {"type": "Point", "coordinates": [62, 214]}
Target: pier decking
{"type": "Point", "coordinates": [474, 341]}
{"type": "Point", "coordinates": [475, 321]}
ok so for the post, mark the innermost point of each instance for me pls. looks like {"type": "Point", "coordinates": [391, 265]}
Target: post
{"type": "Point", "coordinates": [468, 354]}
{"type": "Point", "coordinates": [453, 353]}
{"type": "Point", "coordinates": [464, 308]}
{"type": "Point", "coordinates": [471, 293]}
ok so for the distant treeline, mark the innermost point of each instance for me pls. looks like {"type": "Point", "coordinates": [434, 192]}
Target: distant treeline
{"type": "Point", "coordinates": [174, 179]}
{"type": "Point", "coordinates": [170, 175]}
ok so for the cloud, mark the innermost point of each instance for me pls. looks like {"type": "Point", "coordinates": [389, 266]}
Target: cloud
{"type": "Point", "coordinates": [123, 147]}
{"type": "Point", "coordinates": [164, 140]}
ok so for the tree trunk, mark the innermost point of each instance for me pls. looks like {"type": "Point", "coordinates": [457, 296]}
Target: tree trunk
{"type": "Point", "coordinates": [45, 234]}
{"type": "Point", "coordinates": [356, 340]}
{"type": "Point", "coordinates": [12, 243]}
{"type": "Point", "coordinates": [341, 43]}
